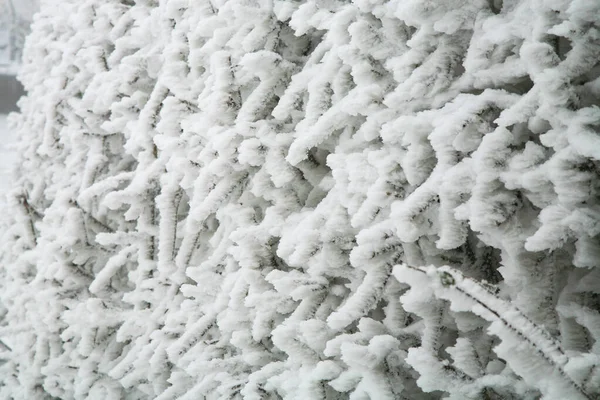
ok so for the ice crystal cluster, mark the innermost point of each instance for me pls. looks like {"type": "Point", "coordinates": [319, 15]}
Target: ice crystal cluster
{"type": "Point", "coordinates": [323, 199]}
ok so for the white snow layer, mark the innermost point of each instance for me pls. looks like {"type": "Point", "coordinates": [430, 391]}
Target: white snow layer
{"type": "Point", "coordinates": [322, 199]}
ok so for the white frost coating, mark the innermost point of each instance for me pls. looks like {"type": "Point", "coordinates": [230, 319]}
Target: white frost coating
{"type": "Point", "coordinates": [530, 350]}
{"type": "Point", "coordinates": [212, 195]}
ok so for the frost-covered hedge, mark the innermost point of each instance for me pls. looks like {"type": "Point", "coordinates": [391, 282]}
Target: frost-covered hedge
{"type": "Point", "coordinates": [263, 199]}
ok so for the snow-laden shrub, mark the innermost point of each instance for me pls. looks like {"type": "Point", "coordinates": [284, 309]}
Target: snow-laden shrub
{"type": "Point", "coordinates": [232, 200]}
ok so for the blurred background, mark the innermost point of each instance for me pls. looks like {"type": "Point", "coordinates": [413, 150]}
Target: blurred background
{"type": "Point", "coordinates": [15, 21]}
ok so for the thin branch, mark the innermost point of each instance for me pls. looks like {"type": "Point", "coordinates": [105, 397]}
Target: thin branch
{"type": "Point", "coordinates": [93, 219]}
{"type": "Point", "coordinates": [454, 281]}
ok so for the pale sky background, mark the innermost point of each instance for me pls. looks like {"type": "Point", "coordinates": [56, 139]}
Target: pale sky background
{"type": "Point", "coordinates": [25, 8]}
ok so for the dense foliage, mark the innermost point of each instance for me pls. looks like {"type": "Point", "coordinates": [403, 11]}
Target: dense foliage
{"type": "Point", "coordinates": [263, 199]}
